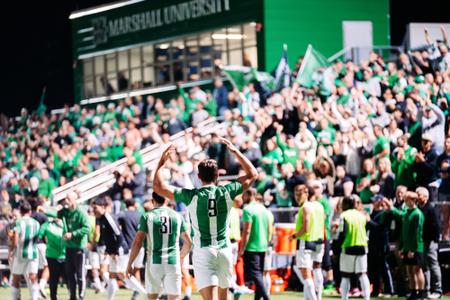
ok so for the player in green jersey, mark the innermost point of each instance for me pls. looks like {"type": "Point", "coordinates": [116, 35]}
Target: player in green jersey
{"type": "Point", "coordinates": [163, 228]}
{"type": "Point", "coordinates": [24, 252]}
{"type": "Point", "coordinates": [209, 208]}
{"type": "Point", "coordinates": [52, 232]}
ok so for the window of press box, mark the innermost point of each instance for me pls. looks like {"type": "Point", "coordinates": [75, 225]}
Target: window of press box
{"type": "Point", "coordinates": [189, 58]}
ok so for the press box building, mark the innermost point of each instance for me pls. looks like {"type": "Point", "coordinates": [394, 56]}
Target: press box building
{"type": "Point", "coordinates": [143, 47]}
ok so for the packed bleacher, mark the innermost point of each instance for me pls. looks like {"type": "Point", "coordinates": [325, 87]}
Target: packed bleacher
{"type": "Point", "coordinates": [372, 130]}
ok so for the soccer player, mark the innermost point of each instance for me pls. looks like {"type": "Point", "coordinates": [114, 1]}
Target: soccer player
{"type": "Point", "coordinates": [115, 245]}
{"type": "Point", "coordinates": [129, 223]}
{"type": "Point", "coordinates": [24, 253]}
{"type": "Point", "coordinates": [209, 207]}
{"type": "Point", "coordinates": [163, 228]}
{"type": "Point", "coordinates": [310, 228]}
{"type": "Point", "coordinates": [353, 238]}
{"type": "Point", "coordinates": [257, 233]}
{"type": "Point", "coordinates": [52, 232]}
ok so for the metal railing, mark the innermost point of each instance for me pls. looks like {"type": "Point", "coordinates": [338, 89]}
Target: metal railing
{"type": "Point", "coordinates": [101, 180]}
{"type": "Point", "coordinates": [358, 54]}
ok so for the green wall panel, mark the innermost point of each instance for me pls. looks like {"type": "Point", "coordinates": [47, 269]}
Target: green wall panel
{"type": "Point", "coordinates": [319, 22]}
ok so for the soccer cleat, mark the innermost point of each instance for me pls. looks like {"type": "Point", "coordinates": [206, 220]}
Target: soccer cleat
{"type": "Point", "coordinates": [434, 296]}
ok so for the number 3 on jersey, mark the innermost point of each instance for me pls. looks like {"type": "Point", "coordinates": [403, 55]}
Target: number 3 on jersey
{"type": "Point", "coordinates": [166, 224]}
{"type": "Point", "coordinates": [212, 207]}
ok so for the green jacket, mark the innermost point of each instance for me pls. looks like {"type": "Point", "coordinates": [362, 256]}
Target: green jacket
{"type": "Point", "coordinates": [404, 174]}
{"type": "Point", "coordinates": [412, 229]}
{"type": "Point", "coordinates": [75, 221]}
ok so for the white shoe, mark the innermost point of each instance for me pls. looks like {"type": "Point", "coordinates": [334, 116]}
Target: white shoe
{"type": "Point", "coordinates": [434, 296]}
{"type": "Point", "coordinates": [244, 290]}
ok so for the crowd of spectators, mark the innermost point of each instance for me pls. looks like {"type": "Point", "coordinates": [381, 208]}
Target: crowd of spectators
{"type": "Point", "coordinates": [372, 129]}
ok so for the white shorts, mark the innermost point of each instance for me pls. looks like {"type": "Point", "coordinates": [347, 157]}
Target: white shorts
{"type": "Point", "coordinates": [235, 252]}
{"type": "Point", "coordinates": [94, 259]}
{"type": "Point", "coordinates": [268, 259]}
{"type": "Point", "coordinates": [42, 247]}
{"type": "Point", "coordinates": [185, 264]}
{"type": "Point", "coordinates": [21, 266]}
{"type": "Point", "coordinates": [118, 263]}
{"type": "Point", "coordinates": [304, 258]}
{"type": "Point", "coordinates": [213, 267]}
{"type": "Point", "coordinates": [139, 261]}
{"type": "Point", "coordinates": [353, 263]}
{"type": "Point", "coordinates": [163, 277]}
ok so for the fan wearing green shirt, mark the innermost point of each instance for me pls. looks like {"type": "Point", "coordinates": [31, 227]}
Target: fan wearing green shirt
{"type": "Point", "coordinates": [46, 185]}
{"type": "Point", "coordinates": [209, 208]}
{"type": "Point", "coordinates": [256, 236]}
{"type": "Point", "coordinates": [411, 244]}
{"type": "Point", "coordinates": [289, 149]}
{"type": "Point", "coordinates": [52, 233]}
{"type": "Point", "coordinates": [381, 147]}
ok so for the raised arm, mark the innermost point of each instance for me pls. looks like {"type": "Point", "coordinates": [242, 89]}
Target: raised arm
{"type": "Point", "coordinates": [159, 186]}
{"type": "Point", "coordinates": [250, 171]}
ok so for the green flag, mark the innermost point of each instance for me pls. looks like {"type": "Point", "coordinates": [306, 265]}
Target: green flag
{"type": "Point", "coordinates": [42, 108]}
{"type": "Point", "coordinates": [312, 62]}
{"type": "Point", "coordinates": [239, 76]}
{"type": "Point", "coordinates": [265, 79]}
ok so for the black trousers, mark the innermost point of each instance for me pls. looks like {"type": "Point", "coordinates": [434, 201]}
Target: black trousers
{"type": "Point", "coordinates": [56, 269]}
{"type": "Point", "coordinates": [76, 272]}
{"type": "Point", "coordinates": [380, 270]}
{"type": "Point", "coordinates": [253, 271]}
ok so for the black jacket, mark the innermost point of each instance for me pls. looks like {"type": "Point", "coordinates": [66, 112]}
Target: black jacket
{"type": "Point", "coordinates": [431, 224]}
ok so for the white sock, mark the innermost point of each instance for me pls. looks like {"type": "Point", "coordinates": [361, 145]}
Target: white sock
{"type": "Point", "coordinates": [42, 283]}
{"type": "Point", "coordinates": [188, 291]}
{"type": "Point", "coordinates": [299, 275]}
{"type": "Point", "coordinates": [308, 289]}
{"type": "Point", "coordinates": [34, 291]}
{"type": "Point", "coordinates": [97, 283]}
{"type": "Point", "coordinates": [105, 276]}
{"type": "Point", "coordinates": [112, 288]}
{"type": "Point", "coordinates": [267, 282]}
{"type": "Point", "coordinates": [318, 282]}
{"type": "Point", "coordinates": [345, 287]}
{"type": "Point", "coordinates": [365, 286]}
{"type": "Point", "coordinates": [15, 293]}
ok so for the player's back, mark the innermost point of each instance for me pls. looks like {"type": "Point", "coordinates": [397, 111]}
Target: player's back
{"type": "Point", "coordinates": [28, 230]}
{"type": "Point", "coordinates": [209, 207]}
{"type": "Point", "coordinates": [164, 227]}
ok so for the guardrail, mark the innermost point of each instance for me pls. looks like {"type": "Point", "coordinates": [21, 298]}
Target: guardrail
{"type": "Point", "coordinates": [101, 180]}
{"type": "Point", "coordinates": [357, 54]}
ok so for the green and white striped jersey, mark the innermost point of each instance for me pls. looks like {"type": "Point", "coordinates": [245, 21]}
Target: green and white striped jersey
{"type": "Point", "coordinates": [209, 208]}
{"type": "Point", "coordinates": [28, 230]}
{"type": "Point", "coordinates": [163, 227]}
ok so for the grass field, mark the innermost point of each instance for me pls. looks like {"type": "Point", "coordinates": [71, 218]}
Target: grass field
{"type": "Point", "coordinates": [124, 294]}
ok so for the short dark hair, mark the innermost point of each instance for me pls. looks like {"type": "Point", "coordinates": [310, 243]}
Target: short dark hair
{"type": "Point", "coordinates": [208, 170]}
{"type": "Point", "coordinates": [24, 207]}
{"type": "Point", "coordinates": [158, 199]}
{"type": "Point", "coordinates": [130, 202]}
{"type": "Point", "coordinates": [348, 203]}
{"type": "Point", "coordinates": [101, 202]}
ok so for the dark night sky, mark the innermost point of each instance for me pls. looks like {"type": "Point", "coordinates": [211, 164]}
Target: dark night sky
{"type": "Point", "coordinates": [36, 43]}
